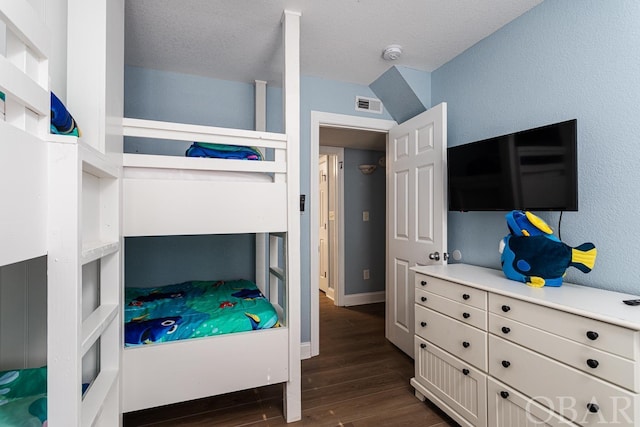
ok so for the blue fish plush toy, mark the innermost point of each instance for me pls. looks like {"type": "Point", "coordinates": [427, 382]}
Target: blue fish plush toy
{"type": "Point", "coordinates": [533, 255]}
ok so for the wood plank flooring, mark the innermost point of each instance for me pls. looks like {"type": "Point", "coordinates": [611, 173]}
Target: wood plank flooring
{"type": "Point", "coordinates": [359, 380]}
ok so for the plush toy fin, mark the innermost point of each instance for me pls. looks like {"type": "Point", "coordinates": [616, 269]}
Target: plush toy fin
{"type": "Point", "coordinates": [538, 223]}
{"type": "Point", "coordinates": [535, 282]}
{"type": "Point", "coordinates": [583, 257]}
{"type": "Point", "coordinates": [525, 223]}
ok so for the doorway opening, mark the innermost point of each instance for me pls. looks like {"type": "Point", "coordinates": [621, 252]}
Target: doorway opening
{"type": "Point", "coordinates": [327, 130]}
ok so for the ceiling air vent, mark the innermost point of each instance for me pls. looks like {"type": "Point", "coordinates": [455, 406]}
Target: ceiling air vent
{"type": "Point", "coordinates": [370, 105]}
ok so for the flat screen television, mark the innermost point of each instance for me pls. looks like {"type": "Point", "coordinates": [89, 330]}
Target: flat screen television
{"type": "Point", "coordinates": [534, 169]}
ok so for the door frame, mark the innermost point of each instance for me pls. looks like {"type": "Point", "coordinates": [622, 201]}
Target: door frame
{"type": "Point", "coordinates": [324, 158]}
{"type": "Point", "coordinates": [318, 119]}
{"type": "Point", "coordinates": [336, 198]}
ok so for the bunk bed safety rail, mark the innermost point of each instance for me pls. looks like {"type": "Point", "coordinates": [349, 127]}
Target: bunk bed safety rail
{"type": "Point", "coordinates": [209, 134]}
{"type": "Point", "coordinates": [24, 67]}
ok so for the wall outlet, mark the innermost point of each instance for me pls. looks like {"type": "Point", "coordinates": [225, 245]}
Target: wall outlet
{"type": "Point", "coordinates": [365, 215]}
{"type": "Point", "coordinates": [365, 274]}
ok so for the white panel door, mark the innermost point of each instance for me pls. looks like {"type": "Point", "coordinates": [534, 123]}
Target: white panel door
{"type": "Point", "coordinates": [323, 231]}
{"type": "Point", "coordinates": [416, 213]}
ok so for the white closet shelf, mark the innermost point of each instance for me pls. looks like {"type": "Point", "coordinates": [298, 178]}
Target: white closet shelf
{"type": "Point", "coordinates": [96, 395]}
{"type": "Point", "coordinates": [186, 132]}
{"type": "Point", "coordinates": [94, 325]}
{"type": "Point", "coordinates": [92, 251]}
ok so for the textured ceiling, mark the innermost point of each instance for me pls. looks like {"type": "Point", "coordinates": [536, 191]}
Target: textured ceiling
{"type": "Point", "coordinates": [341, 40]}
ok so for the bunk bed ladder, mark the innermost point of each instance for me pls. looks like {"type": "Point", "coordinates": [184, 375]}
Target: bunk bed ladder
{"type": "Point", "coordinates": [84, 285]}
{"type": "Point", "coordinates": [85, 236]}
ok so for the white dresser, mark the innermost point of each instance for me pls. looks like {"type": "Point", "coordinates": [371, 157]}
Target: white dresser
{"type": "Point", "coordinates": [494, 352]}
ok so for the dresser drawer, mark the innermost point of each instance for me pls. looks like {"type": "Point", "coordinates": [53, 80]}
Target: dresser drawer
{"type": "Point", "coordinates": [454, 291]}
{"type": "Point", "coordinates": [619, 370]}
{"type": "Point", "coordinates": [508, 408]}
{"type": "Point", "coordinates": [582, 398]}
{"type": "Point", "coordinates": [459, 385]}
{"type": "Point", "coordinates": [601, 335]}
{"type": "Point", "coordinates": [462, 312]}
{"type": "Point", "coordinates": [462, 340]}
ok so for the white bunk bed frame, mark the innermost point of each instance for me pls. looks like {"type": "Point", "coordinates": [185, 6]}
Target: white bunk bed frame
{"type": "Point", "coordinates": [23, 151]}
{"type": "Point", "coordinates": [173, 372]}
{"type": "Point", "coordinates": [61, 198]}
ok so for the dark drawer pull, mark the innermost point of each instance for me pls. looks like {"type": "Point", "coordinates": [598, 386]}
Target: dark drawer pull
{"type": "Point", "coordinates": [506, 308]}
{"type": "Point", "coordinates": [423, 324]}
{"type": "Point", "coordinates": [504, 394]}
{"type": "Point", "coordinates": [505, 330]}
{"type": "Point", "coordinates": [423, 299]}
{"type": "Point", "coordinates": [593, 408]}
{"type": "Point", "coordinates": [466, 315]}
{"type": "Point", "coordinates": [423, 345]}
{"type": "Point", "coordinates": [465, 371]}
{"type": "Point", "coordinates": [423, 283]}
{"type": "Point", "coordinates": [592, 363]}
{"type": "Point", "coordinates": [592, 335]}
{"type": "Point", "coordinates": [506, 363]}
{"type": "Point", "coordinates": [466, 296]}
{"type": "Point", "coordinates": [465, 344]}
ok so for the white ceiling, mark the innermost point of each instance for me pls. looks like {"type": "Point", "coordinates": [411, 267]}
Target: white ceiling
{"type": "Point", "coordinates": [342, 40]}
{"type": "Point", "coordinates": [353, 138]}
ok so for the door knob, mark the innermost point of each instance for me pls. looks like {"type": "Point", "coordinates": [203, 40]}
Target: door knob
{"type": "Point", "coordinates": [434, 256]}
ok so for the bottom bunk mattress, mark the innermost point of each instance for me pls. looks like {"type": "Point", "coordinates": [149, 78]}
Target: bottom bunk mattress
{"type": "Point", "coordinates": [195, 309]}
{"type": "Point", "coordinates": [23, 397]}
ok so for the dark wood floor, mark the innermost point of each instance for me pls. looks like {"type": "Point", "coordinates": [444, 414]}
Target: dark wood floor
{"type": "Point", "coordinates": [359, 379]}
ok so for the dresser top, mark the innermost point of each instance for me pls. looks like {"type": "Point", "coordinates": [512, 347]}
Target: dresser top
{"type": "Point", "coordinates": [595, 303]}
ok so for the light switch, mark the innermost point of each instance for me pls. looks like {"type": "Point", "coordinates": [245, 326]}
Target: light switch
{"type": "Point", "coordinates": [365, 215]}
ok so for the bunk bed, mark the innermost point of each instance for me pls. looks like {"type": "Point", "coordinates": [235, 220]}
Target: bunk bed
{"type": "Point", "coordinates": [169, 195]}
{"type": "Point", "coordinates": [23, 218]}
{"type": "Point", "coordinates": [52, 187]}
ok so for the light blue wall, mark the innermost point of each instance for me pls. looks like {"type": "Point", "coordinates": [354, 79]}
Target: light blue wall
{"type": "Point", "coordinates": [158, 261]}
{"type": "Point", "coordinates": [183, 98]}
{"type": "Point", "coordinates": [397, 94]}
{"type": "Point", "coordinates": [559, 61]}
{"type": "Point", "coordinates": [420, 82]}
{"type": "Point", "coordinates": [364, 242]}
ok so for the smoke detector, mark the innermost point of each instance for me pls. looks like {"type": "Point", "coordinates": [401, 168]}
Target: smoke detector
{"type": "Point", "coordinates": [392, 52]}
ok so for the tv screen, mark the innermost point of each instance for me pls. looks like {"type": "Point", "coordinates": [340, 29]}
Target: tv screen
{"type": "Point", "coordinates": [534, 169]}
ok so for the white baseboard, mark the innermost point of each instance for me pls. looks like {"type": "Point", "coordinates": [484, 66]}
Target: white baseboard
{"type": "Point", "coordinates": [364, 298]}
{"type": "Point", "coordinates": [305, 350]}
